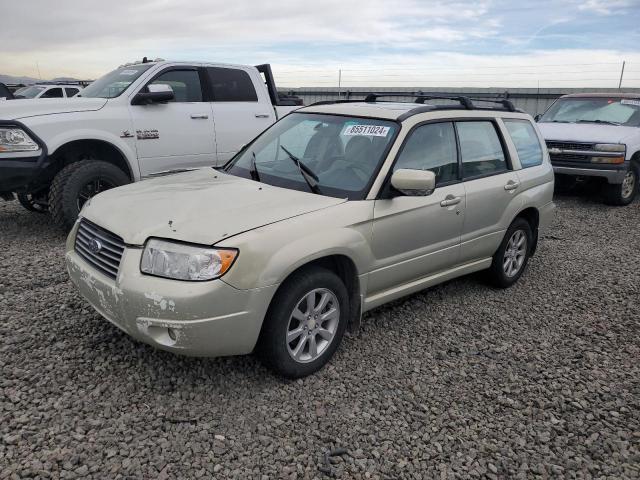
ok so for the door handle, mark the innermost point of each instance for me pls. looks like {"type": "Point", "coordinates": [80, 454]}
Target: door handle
{"type": "Point", "coordinates": [450, 200]}
{"type": "Point", "coordinates": [199, 116]}
{"type": "Point", "coordinates": [511, 185]}
{"type": "Point", "coordinates": [262, 115]}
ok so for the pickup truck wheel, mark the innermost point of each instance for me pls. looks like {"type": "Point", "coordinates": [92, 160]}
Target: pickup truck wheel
{"type": "Point", "coordinates": [305, 323]}
{"type": "Point", "coordinates": [623, 193]}
{"type": "Point", "coordinates": [511, 258]}
{"type": "Point", "coordinates": [77, 183]}
{"type": "Point", "coordinates": [34, 202]}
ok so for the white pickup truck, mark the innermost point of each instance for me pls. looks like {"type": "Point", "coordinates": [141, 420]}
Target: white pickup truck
{"type": "Point", "coordinates": [141, 120]}
{"type": "Point", "coordinates": [596, 136]}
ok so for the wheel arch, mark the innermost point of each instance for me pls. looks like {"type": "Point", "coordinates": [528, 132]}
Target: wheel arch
{"type": "Point", "coordinates": [71, 152]}
{"type": "Point", "coordinates": [532, 216]}
{"type": "Point", "coordinates": [345, 268]}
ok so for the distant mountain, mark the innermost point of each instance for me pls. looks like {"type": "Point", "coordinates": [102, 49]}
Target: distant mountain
{"type": "Point", "coordinates": [10, 79]}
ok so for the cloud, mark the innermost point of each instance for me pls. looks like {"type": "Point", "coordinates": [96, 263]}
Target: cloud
{"type": "Point", "coordinates": [90, 37]}
{"type": "Point", "coordinates": [605, 7]}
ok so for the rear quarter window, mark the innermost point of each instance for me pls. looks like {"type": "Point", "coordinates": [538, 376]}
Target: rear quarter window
{"type": "Point", "coordinates": [526, 141]}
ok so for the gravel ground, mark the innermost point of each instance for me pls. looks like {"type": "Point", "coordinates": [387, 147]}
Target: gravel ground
{"type": "Point", "coordinates": [542, 380]}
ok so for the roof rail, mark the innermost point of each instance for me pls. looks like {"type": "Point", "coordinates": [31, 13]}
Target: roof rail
{"type": "Point", "coordinates": [420, 98]}
{"type": "Point", "coordinates": [507, 104]}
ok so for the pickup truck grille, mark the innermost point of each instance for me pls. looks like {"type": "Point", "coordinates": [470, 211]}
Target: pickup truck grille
{"type": "Point", "coordinates": [569, 157]}
{"type": "Point", "coordinates": [99, 247]}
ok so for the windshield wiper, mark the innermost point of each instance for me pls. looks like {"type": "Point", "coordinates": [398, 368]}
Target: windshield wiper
{"type": "Point", "coordinates": [309, 176]}
{"type": "Point", "coordinates": [606, 122]}
{"type": "Point", "coordinates": [253, 170]}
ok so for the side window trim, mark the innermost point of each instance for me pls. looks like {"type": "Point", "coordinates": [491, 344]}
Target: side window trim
{"type": "Point", "coordinates": [501, 139]}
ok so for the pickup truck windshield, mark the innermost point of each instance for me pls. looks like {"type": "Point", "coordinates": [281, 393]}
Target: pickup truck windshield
{"type": "Point", "coordinates": [114, 83]}
{"type": "Point", "coordinates": [325, 154]}
{"type": "Point", "coordinates": [613, 111]}
{"type": "Point", "coordinates": [28, 92]}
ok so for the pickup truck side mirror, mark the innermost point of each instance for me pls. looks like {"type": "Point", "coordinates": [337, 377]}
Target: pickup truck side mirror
{"type": "Point", "coordinates": [414, 183]}
{"type": "Point", "coordinates": [537, 117]}
{"type": "Point", "coordinates": [157, 93]}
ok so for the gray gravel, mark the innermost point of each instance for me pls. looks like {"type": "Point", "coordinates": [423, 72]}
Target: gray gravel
{"type": "Point", "coordinates": [541, 380]}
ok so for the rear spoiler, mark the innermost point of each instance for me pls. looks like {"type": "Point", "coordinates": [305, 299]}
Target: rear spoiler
{"type": "Point", "coordinates": [277, 99]}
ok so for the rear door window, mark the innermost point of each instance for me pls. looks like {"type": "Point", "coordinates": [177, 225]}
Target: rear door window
{"type": "Point", "coordinates": [480, 149]}
{"type": "Point", "coordinates": [526, 141]}
{"type": "Point", "coordinates": [71, 91]}
{"type": "Point", "coordinates": [231, 85]}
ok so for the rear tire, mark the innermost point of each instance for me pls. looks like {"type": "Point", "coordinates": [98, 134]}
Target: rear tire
{"type": "Point", "coordinates": [78, 182]}
{"type": "Point", "coordinates": [624, 193]}
{"type": "Point", "coordinates": [511, 258]}
{"type": "Point", "coordinates": [34, 202]}
{"type": "Point", "coordinates": [305, 323]}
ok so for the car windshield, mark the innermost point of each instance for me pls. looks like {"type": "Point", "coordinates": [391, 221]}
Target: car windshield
{"type": "Point", "coordinates": [330, 155]}
{"type": "Point", "coordinates": [28, 92]}
{"type": "Point", "coordinates": [615, 111]}
{"type": "Point", "coordinates": [114, 83]}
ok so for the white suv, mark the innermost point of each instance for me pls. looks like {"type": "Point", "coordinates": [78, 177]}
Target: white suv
{"type": "Point", "coordinates": [43, 90]}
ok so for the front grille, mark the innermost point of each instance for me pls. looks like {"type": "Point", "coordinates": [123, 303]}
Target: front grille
{"type": "Point", "coordinates": [569, 157]}
{"type": "Point", "coordinates": [570, 145]}
{"type": "Point", "coordinates": [99, 247]}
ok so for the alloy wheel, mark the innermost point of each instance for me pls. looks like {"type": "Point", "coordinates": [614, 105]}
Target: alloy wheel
{"type": "Point", "coordinates": [313, 325]}
{"type": "Point", "coordinates": [91, 189]}
{"type": "Point", "coordinates": [628, 184]}
{"type": "Point", "coordinates": [515, 253]}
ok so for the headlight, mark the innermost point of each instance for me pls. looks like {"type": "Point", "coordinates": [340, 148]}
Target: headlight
{"type": "Point", "coordinates": [610, 147]}
{"type": "Point", "coordinates": [185, 262]}
{"type": "Point", "coordinates": [16, 140]}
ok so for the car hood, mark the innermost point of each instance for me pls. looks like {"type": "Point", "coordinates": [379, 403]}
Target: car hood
{"type": "Point", "coordinates": [203, 206]}
{"type": "Point", "coordinates": [586, 132]}
{"type": "Point", "coordinates": [23, 108]}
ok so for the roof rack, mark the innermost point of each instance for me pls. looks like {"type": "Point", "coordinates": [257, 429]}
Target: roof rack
{"type": "Point", "coordinates": [420, 98]}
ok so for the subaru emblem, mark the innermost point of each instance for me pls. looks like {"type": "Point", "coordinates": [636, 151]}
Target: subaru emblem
{"type": "Point", "coordinates": [95, 246]}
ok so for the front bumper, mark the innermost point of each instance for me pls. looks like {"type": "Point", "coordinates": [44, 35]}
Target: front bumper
{"type": "Point", "coordinates": [208, 319]}
{"type": "Point", "coordinates": [22, 172]}
{"type": "Point", "coordinates": [613, 173]}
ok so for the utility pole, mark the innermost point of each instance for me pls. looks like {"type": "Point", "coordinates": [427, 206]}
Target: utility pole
{"type": "Point", "coordinates": [339, 83]}
{"type": "Point", "coordinates": [38, 67]}
{"type": "Point", "coordinates": [621, 75]}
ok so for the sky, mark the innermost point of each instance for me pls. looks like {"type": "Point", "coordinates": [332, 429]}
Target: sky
{"type": "Point", "coordinates": [329, 43]}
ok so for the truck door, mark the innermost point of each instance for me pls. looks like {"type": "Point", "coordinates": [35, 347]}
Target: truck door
{"type": "Point", "coordinates": [240, 110]}
{"type": "Point", "coordinates": [178, 134]}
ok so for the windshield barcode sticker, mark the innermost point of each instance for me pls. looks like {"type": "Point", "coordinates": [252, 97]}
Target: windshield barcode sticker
{"type": "Point", "coordinates": [626, 101]}
{"type": "Point", "coordinates": [367, 130]}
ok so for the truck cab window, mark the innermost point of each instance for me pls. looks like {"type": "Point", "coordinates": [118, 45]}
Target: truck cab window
{"type": "Point", "coordinates": [185, 84]}
{"type": "Point", "coordinates": [53, 93]}
{"type": "Point", "coordinates": [231, 85]}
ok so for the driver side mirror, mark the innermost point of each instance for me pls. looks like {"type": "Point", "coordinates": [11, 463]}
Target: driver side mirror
{"type": "Point", "coordinates": [414, 183]}
{"type": "Point", "coordinates": [157, 93]}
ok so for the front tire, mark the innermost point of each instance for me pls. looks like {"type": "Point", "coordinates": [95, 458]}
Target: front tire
{"type": "Point", "coordinates": [305, 323]}
{"type": "Point", "coordinates": [624, 193]}
{"type": "Point", "coordinates": [511, 258]}
{"type": "Point", "coordinates": [76, 183]}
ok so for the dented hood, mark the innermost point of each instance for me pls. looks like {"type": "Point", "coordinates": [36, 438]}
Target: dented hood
{"type": "Point", "coordinates": [202, 206]}
{"type": "Point", "coordinates": [24, 108]}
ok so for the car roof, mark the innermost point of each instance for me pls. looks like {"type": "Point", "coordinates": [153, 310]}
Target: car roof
{"type": "Point", "coordinates": [602, 95]}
